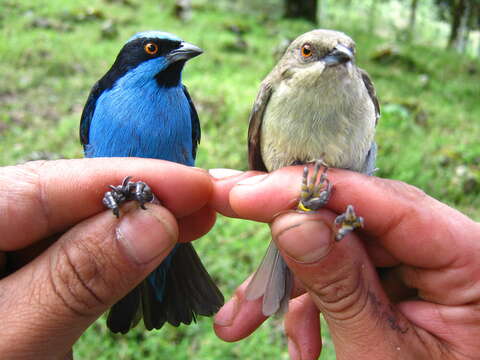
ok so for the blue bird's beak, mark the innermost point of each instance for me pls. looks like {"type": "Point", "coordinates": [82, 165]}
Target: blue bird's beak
{"type": "Point", "coordinates": [185, 52]}
{"type": "Point", "coordinates": [340, 55]}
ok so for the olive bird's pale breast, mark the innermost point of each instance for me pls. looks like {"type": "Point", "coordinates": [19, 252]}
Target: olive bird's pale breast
{"type": "Point", "coordinates": [306, 122]}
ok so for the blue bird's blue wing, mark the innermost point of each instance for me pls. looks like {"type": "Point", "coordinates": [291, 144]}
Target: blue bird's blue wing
{"type": "Point", "coordinates": [196, 132]}
{"type": "Point", "coordinates": [87, 114]}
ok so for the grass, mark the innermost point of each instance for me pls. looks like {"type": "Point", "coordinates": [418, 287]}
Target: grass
{"type": "Point", "coordinates": [53, 51]}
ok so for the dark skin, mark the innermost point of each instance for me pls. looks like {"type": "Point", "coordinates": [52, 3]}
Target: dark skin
{"type": "Point", "coordinates": [425, 245]}
{"type": "Point", "coordinates": [50, 301]}
{"type": "Point", "coordinates": [53, 298]}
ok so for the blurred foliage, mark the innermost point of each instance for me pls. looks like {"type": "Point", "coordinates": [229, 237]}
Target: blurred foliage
{"type": "Point", "coordinates": [53, 51]}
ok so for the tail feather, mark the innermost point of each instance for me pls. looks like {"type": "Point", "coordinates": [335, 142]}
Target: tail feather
{"type": "Point", "coordinates": [126, 313]}
{"type": "Point", "coordinates": [152, 317]}
{"type": "Point", "coordinates": [272, 280]}
{"type": "Point", "coordinates": [188, 291]}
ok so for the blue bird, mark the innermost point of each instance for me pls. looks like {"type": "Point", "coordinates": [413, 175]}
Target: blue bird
{"type": "Point", "coordinates": [140, 108]}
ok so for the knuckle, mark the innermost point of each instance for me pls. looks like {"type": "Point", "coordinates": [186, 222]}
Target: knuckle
{"type": "Point", "coordinates": [411, 276]}
{"type": "Point", "coordinates": [413, 206]}
{"type": "Point", "coordinates": [24, 185]}
{"type": "Point", "coordinates": [76, 279]}
{"type": "Point", "coordinates": [343, 294]}
{"type": "Point", "coordinates": [400, 188]}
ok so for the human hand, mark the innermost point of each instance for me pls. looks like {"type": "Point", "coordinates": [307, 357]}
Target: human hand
{"type": "Point", "coordinates": [49, 296]}
{"type": "Point", "coordinates": [426, 304]}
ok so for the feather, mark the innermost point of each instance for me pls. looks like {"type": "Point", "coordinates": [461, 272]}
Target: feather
{"type": "Point", "coordinates": [304, 112]}
{"type": "Point", "coordinates": [255, 160]}
{"type": "Point", "coordinates": [196, 130]}
{"type": "Point", "coordinates": [258, 284]}
{"type": "Point", "coordinates": [140, 108]}
{"type": "Point", "coordinates": [371, 92]}
{"type": "Point", "coordinates": [125, 314]}
{"type": "Point", "coordinates": [272, 280]}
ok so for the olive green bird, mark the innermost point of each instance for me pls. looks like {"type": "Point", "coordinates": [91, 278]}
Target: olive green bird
{"type": "Point", "coordinates": [316, 106]}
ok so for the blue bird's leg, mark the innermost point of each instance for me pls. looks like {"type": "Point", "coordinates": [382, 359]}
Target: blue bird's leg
{"type": "Point", "coordinates": [315, 191]}
{"type": "Point", "coordinates": [127, 191]}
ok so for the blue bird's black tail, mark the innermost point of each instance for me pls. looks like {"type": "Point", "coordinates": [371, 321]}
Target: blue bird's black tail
{"type": "Point", "coordinates": [188, 291]}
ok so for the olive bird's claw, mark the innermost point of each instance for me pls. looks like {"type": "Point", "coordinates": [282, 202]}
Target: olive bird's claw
{"type": "Point", "coordinates": [127, 191]}
{"type": "Point", "coordinates": [348, 221]}
{"type": "Point", "coordinates": [316, 191]}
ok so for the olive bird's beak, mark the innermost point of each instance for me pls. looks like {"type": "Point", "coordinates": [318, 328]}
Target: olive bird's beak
{"type": "Point", "coordinates": [185, 52]}
{"type": "Point", "coordinates": [339, 55]}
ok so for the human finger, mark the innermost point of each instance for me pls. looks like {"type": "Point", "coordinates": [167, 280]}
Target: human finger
{"type": "Point", "coordinates": [344, 285]}
{"type": "Point", "coordinates": [302, 327]}
{"type": "Point", "coordinates": [52, 300]}
{"type": "Point", "coordinates": [239, 317]}
{"type": "Point", "coordinates": [48, 197]}
{"type": "Point", "coordinates": [391, 209]}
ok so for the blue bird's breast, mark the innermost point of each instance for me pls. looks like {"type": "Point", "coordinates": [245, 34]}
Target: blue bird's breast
{"type": "Point", "coordinates": [138, 118]}
{"type": "Point", "coordinates": [141, 119]}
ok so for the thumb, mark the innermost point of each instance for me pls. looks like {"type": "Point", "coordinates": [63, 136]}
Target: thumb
{"type": "Point", "coordinates": [53, 299]}
{"type": "Point", "coordinates": [342, 283]}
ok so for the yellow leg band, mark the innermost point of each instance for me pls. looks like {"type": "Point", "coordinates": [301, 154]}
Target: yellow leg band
{"type": "Point", "coordinates": [301, 207]}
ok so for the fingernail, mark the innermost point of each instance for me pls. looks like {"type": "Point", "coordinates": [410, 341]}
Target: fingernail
{"type": "Point", "coordinates": [306, 242]}
{"type": "Point", "coordinates": [227, 313]}
{"type": "Point", "coordinates": [293, 350]}
{"type": "Point", "coordinates": [252, 180]}
{"type": "Point", "coordinates": [223, 173]}
{"type": "Point", "coordinates": [145, 234]}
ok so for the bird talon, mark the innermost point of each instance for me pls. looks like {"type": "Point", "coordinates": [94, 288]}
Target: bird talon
{"type": "Point", "coordinates": [127, 191]}
{"type": "Point", "coordinates": [315, 191]}
{"type": "Point", "coordinates": [348, 221]}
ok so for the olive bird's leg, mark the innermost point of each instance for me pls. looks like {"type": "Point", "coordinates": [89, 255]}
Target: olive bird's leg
{"type": "Point", "coordinates": [316, 191]}
{"type": "Point", "coordinates": [127, 191]}
{"type": "Point", "coordinates": [315, 194]}
{"type": "Point", "coordinates": [347, 222]}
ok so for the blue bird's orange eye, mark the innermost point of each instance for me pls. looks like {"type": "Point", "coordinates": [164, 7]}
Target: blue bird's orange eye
{"type": "Point", "coordinates": [306, 51]}
{"type": "Point", "coordinates": [151, 48]}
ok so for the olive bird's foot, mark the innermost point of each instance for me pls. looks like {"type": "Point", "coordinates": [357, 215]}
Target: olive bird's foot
{"type": "Point", "coordinates": [127, 191]}
{"type": "Point", "coordinates": [348, 221]}
{"type": "Point", "coordinates": [316, 191]}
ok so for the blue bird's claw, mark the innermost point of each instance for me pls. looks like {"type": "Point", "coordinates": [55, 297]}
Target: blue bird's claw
{"type": "Point", "coordinates": [127, 191]}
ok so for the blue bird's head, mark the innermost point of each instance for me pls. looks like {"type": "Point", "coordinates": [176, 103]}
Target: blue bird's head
{"type": "Point", "coordinates": [149, 62]}
{"type": "Point", "coordinates": [152, 54]}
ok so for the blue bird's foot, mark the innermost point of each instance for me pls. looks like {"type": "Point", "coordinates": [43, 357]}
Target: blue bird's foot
{"type": "Point", "coordinates": [348, 221]}
{"type": "Point", "coordinates": [127, 191]}
{"type": "Point", "coordinates": [316, 191]}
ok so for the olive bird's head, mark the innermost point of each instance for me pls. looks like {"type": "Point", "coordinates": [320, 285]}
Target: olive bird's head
{"type": "Point", "coordinates": [318, 55]}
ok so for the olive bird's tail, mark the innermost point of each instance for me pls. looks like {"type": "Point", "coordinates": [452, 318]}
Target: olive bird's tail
{"type": "Point", "coordinates": [272, 280]}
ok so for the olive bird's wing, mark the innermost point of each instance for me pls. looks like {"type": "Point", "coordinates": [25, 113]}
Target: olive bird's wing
{"type": "Point", "coordinates": [255, 161]}
{"type": "Point", "coordinates": [371, 91]}
{"type": "Point", "coordinates": [369, 165]}
{"type": "Point", "coordinates": [272, 280]}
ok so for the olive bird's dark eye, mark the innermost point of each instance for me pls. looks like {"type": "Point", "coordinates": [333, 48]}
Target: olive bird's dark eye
{"type": "Point", "coordinates": [151, 48]}
{"type": "Point", "coordinates": [306, 51]}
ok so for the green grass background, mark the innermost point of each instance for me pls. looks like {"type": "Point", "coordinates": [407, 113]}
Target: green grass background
{"type": "Point", "coordinates": [51, 53]}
